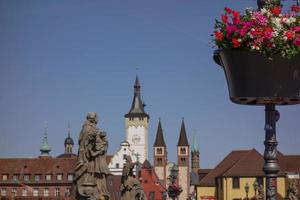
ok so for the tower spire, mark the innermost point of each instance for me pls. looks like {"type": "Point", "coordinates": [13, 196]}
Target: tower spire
{"type": "Point", "coordinates": [45, 148]}
{"type": "Point", "coordinates": [137, 106]}
{"type": "Point", "coordinates": [69, 143]}
{"type": "Point", "coordinates": [182, 141]}
{"type": "Point", "coordinates": [159, 140]}
{"type": "Point", "coordinates": [195, 146]}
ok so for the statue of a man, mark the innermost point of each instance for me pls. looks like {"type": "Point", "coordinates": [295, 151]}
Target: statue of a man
{"type": "Point", "coordinates": [91, 169]}
{"type": "Point", "coordinates": [131, 188]}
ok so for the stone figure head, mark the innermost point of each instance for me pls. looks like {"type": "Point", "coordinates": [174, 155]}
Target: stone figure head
{"type": "Point", "coordinates": [92, 117]}
{"type": "Point", "coordinates": [127, 158]}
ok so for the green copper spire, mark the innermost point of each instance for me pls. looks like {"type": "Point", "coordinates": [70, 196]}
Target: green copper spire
{"type": "Point", "coordinates": [45, 148]}
{"type": "Point", "coordinates": [195, 146]}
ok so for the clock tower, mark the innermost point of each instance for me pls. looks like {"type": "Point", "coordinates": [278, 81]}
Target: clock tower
{"type": "Point", "coordinates": [137, 124]}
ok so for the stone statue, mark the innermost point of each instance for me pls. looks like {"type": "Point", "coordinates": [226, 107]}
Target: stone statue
{"type": "Point", "coordinates": [131, 188]}
{"type": "Point", "coordinates": [292, 190]}
{"type": "Point", "coordinates": [91, 168]}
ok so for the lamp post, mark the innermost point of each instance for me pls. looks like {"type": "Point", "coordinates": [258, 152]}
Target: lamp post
{"type": "Point", "coordinates": [247, 190]}
{"type": "Point", "coordinates": [255, 187]}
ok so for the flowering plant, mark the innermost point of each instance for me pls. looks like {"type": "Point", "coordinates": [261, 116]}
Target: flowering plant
{"type": "Point", "coordinates": [267, 30]}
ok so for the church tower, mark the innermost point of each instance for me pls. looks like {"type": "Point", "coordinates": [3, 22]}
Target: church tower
{"type": "Point", "coordinates": [45, 148]}
{"type": "Point", "coordinates": [69, 143]}
{"type": "Point", "coordinates": [160, 155]}
{"type": "Point", "coordinates": [195, 153]}
{"type": "Point", "coordinates": [183, 159]}
{"type": "Point", "coordinates": [137, 124]}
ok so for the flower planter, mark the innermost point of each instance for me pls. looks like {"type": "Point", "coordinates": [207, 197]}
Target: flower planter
{"type": "Point", "coordinates": [254, 79]}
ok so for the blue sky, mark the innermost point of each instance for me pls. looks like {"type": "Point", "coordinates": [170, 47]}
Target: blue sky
{"type": "Point", "coordinates": [62, 59]}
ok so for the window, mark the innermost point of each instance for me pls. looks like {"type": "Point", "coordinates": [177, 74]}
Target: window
{"type": "Point", "coordinates": [57, 192]}
{"type": "Point", "coordinates": [26, 177]}
{"type": "Point", "coordinates": [159, 161]}
{"type": "Point", "coordinates": [182, 151]}
{"type": "Point", "coordinates": [14, 192]}
{"type": "Point", "coordinates": [48, 177]}
{"type": "Point", "coordinates": [235, 182]}
{"type": "Point", "coordinates": [15, 177]}
{"type": "Point", "coordinates": [24, 192]}
{"type": "Point", "coordinates": [37, 177]}
{"type": "Point", "coordinates": [4, 177]}
{"type": "Point", "coordinates": [46, 192]}
{"type": "Point", "coordinates": [3, 192]}
{"type": "Point", "coordinates": [159, 151]}
{"type": "Point", "coordinates": [117, 165]}
{"type": "Point", "coordinates": [70, 177]}
{"type": "Point", "coordinates": [67, 192]}
{"type": "Point", "coordinates": [151, 195]}
{"type": "Point", "coordinates": [35, 192]}
{"type": "Point", "coordinates": [59, 177]}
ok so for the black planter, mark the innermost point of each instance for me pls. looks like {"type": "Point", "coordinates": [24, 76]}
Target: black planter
{"type": "Point", "coordinates": [255, 79]}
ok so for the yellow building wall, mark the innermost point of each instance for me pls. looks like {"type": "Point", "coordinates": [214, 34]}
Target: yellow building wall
{"type": "Point", "coordinates": [230, 193]}
{"type": "Point", "coordinates": [205, 191]}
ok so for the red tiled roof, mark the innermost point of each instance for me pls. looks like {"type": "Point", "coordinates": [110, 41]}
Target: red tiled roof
{"type": "Point", "coordinates": [40, 165]}
{"type": "Point", "coordinates": [227, 162]}
{"type": "Point", "coordinates": [249, 163]}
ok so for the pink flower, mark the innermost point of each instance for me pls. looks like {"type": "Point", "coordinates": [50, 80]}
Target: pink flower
{"type": "Point", "coordinates": [260, 18]}
{"type": "Point", "coordinates": [297, 41]}
{"type": "Point", "coordinates": [295, 8]}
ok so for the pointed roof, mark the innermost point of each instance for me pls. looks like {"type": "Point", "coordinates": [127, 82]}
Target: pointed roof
{"type": "Point", "coordinates": [45, 148]}
{"type": "Point", "coordinates": [159, 140]}
{"type": "Point", "coordinates": [195, 146]}
{"type": "Point", "coordinates": [137, 106]}
{"type": "Point", "coordinates": [146, 165]}
{"type": "Point", "coordinates": [183, 141]}
{"type": "Point", "coordinates": [69, 140]}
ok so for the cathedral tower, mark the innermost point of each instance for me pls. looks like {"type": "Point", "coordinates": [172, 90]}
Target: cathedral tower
{"type": "Point", "coordinates": [183, 158]}
{"type": "Point", "coordinates": [195, 153]}
{"type": "Point", "coordinates": [137, 123]}
{"type": "Point", "coordinates": [160, 155]}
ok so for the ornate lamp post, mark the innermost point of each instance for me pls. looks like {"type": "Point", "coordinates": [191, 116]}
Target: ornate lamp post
{"type": "Point", "coordinates": [247, 190]}
{"type": "Point", "coordinates": [255, 187]}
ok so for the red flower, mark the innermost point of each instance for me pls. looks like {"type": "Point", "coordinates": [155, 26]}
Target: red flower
{"type": "Point", "coordinates": [225, 19]}
{"type": "Point", "coordinates": [227, 10]}
{"type": "Point", "coordinates": [297, 41]}
{"type": "Point", "coordinates": [276, 10]}
{"type": "Point", "coordinates": [290, 35]}
{"type": "Point", "coordinates": [235, 43]}
{"type": "Point", "coordinates": [236, 17]}
{"type": "Point", "coordinates": [295, 8]}
{"type": "Point", "coordinates": [219, 36]}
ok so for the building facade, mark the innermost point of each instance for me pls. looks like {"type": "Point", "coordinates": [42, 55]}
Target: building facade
{"type": "Point", "coordinates": [137, 124]}
{"type": "Point", "coordinates": [228, 180]}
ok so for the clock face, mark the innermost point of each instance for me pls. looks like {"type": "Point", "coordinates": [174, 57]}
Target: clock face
{"type": "Point", "coordinates": [136, 139]}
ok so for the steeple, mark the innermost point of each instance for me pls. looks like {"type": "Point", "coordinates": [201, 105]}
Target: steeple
{"type": "Point", "coordinates": [159, 140]}
{"type": "Point", "coordinates": [183, 141]}
{"type": "Point", "coordinates": [195, 147]}
{"type": "Point", "coordinates": [69, 143]}
{"type": "Point", "coordinates": [195, 153]}
{"type": "Point", "coordinates": [45, 148]}
{"type": "Point", "coordinates": [137, 106]}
